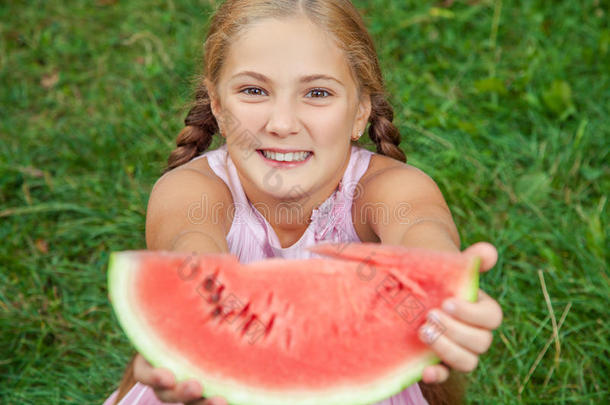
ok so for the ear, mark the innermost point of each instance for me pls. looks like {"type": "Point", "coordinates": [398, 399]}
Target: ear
{"type": "Point", "coordinates": [362, 115]}
{"type": "Point", "coordinates": [214, 103]}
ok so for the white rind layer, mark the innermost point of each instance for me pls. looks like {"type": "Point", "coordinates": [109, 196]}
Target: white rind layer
{"type": "Point", "coordinates": [122, 269]}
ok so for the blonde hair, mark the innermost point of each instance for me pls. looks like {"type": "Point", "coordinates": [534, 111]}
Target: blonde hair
{"type": "Point", "coordinates": [337, 17]}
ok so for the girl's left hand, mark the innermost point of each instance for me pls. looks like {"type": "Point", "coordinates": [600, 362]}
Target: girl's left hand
{"type": "Point", "coordinates": [461, 331]}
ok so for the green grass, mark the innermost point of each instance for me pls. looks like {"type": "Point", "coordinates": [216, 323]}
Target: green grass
{"type": "Point", "coordinates": [504, 104]}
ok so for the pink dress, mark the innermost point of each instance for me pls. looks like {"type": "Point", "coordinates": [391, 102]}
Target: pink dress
{"type": "Point", "coordinates": [252, 238]}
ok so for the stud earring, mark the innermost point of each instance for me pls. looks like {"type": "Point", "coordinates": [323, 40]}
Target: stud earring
{"type": "Point", "coordinates": [358, 137]}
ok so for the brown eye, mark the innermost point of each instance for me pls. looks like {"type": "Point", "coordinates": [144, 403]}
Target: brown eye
{"type": "Point", "coordinates": [319, 93]}
{"type": "Point", "coordinates": [253, 91]}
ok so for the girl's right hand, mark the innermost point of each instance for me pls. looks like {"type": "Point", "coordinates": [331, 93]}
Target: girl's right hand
{"type": "Point", "coordinates": [164, 384]}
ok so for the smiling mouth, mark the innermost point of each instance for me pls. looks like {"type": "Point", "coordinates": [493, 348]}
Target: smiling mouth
{"type": "Point", "coordinates": [289, 157]}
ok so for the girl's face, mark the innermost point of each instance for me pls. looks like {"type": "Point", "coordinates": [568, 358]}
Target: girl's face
{"type": "Point", "coordinates": [286, 87]}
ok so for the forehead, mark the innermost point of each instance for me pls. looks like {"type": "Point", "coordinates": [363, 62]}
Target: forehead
{"type": "Point", "coordinates": [285, 49]}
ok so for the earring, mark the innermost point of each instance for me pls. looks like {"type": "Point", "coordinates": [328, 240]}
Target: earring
{"type": "Point", "coordinates": [358, 137]}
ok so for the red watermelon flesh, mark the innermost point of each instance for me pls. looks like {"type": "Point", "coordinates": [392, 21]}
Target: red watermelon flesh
{"type": "Point", "coordinates": [333, 330]}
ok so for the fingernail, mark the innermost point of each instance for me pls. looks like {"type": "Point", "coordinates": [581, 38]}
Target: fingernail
{"type": "Point", "coordinates": [429, 376]}
{"type": "Point", "coordinates": [161, 381]}
{"type": "Point", "coordinates": [449, 306]}
{"type": "Point", "coordinates": [194, 390]}
{"type": "Point", "coordinates": [433, 317]}
{"type": "Point", "coordinates": [426, 333]}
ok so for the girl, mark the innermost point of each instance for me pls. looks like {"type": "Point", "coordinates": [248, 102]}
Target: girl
{"type": "Point", "coordinates": [290, 85]}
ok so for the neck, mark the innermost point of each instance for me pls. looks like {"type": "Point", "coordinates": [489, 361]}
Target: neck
{"type": "Point", "coordinates": [290, 217]}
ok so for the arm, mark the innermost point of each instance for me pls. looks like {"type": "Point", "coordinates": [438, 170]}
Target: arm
{"type": "Point", "coordinates": [414, 214]}
{"type": "Point", "coordinates": [188, 211]}
{"type": "Point", "coordinates": [419, 217]}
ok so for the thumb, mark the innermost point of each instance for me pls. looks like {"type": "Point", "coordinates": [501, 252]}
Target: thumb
{"type": "Point", "coordinates": [486, 251]}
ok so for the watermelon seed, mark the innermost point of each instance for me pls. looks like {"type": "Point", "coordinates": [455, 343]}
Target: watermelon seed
{"type": "Point", "coordinates": [409, 284]}
{"type": "Point", "coordinates": [269, 299]}
{"type": "Point", "coordinates": [389, 288]}
{"type": "Point", "coordinates": [269, 325]}
{"type": "Point", "coordinates": [227, 314]}
{"type": "Point", "coordinates": [216, 296]}
{"type": "Point", "coordinates": [254, 328]}
{"type": "Point", "coordinates": [208, 283]}
{"type": "Point", "coordinates": [248, 323]}
{"type": "Point", "coordinates": [217, 311]}
{"type": "Point", "coordinates": [244, 311]}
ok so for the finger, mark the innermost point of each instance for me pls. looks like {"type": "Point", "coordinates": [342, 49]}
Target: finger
{"type": "Point", "coordinates": [476, 340]}
{"type": "Point", "coordinates": [486, 251]}
{"type": "Point", "coordinates": [184, 392]}
{"type": "Point", "coordinates": [485, 313]}
{"type": "Point", "coordinates": [145, 373]}
{"type": "Point", "coordinates": [450, 353]}
{"type": "Point", "coordinates": [436, 373]}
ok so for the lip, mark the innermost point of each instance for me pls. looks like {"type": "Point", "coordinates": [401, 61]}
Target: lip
{"type": "Point", "coordinates": [284, 150]}
{"type": "Point", "coordinates": [283, 165]}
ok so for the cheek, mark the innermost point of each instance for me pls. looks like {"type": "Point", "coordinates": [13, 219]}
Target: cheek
{"type": "Point", "coordinates": [246, 117]}
{"type": "Point", "coordinates": [328, 125]}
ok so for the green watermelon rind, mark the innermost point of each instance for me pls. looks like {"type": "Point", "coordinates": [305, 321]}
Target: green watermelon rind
{"type": "Point", "coordinates": [121, 269]}
{"type": "Point", "coordinates": [470, 291]}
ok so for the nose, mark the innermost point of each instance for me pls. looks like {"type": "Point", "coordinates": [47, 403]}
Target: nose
{"type": "Point", "coordinates": [283, 118]}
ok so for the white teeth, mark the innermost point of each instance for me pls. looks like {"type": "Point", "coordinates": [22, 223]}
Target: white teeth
{"type": "Point", "coordinates": [286, 157]}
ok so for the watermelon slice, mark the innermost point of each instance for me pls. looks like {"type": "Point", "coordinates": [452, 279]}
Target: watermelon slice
{"type": "Point", "coordinates": [340, 329]}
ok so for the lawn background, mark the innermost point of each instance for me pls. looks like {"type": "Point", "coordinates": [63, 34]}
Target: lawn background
{"type": "Point", "coordinates": [503, 103]}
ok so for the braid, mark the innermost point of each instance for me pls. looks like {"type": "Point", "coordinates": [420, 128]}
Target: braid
{"type": "Point", "coordinates": [382, 131]}
{"type": "Point", "coordinates": [450, 392]}
{"type": "Point", "coordinates": [196, 136]}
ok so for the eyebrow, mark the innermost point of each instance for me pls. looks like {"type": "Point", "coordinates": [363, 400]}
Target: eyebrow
{"type": "Point", "coordinates": [304, 79]}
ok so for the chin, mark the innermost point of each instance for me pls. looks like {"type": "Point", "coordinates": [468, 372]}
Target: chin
{"type": "Point", "coordinates": [282, 188]}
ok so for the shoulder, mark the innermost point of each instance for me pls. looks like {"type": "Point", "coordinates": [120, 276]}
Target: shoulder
{"type": "Point", "coordinates": [189, 198]}
{"type": "Point", "coordinates": [193, 177]}
{"type": "Point", "coordinates": [392, 192]}
{"type": "Point", "coordinates": [386, 176]}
